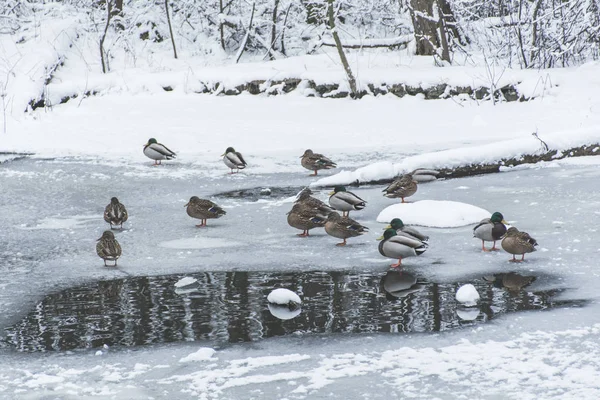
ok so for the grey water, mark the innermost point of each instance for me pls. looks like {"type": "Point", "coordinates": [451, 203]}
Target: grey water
{"type": "Point", "coordinates": [230, 307]}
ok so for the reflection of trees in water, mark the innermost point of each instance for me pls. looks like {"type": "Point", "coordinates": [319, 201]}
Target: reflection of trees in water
{"type": "Point", "coordinates": [231, 307]}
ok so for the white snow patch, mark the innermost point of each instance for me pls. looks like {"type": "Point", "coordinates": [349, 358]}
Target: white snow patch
{"type": "Point", "coordinates": [199, 243]}
{"type": "Point", "coordinates": [186, 281]}
{"type": "Point", "coordinates": [283, 296]}
{"type": "Point", "coordinates": [73, 222]}
{"type": "Point", "coordinates": [467, 295]}
{"type": "Point", "coordinates": [434, 213]}
{"type": "Point", "coordinates": [203, 354]}
{"type": "Point", "coordinates": [283, 312]}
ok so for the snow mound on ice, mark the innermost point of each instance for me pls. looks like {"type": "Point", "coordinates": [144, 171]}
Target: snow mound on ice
{"type": "Point", "coordinates": [467, 295]}
{"type": "Point", "coordinates": [283, 297]}
{"type": "Point", "coordinates": [204, 354]}
{"type": "Point", "coordinates": [283, 312]}
{"type": "Point", "coordinates": [434, 213]}
{"type": "Point", "coordinates": [186, 281]}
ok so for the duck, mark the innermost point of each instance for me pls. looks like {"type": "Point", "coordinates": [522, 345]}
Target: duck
{"type": "Point", "coordinates": [342, 200]}
{"type": "Point", "coordinates": [203, 209]}
{"type": "Point", "coordinates": [115, 213]}
{"type": "Point", "coordinates": [234, 159]}
{"type": "Point", "coordinates": [304, 197]}
{"type": "Point", "coordinates": [490, 230]}
{"type": "Point", "coordinates": [402, 187]}
{"type": "Point", "coordinates": [425, 175]}
{"type": "Point", "coordinates": [108, 248]}
{"type": "Point", "coordinates": [398, 225]}
{"type": "Point", "coordinates": [399, 245]}
{"type": "Point", "coordinates": [304, 217]}
{"type": "Point", "coordinates": [343, 227]}
{"type": "Point", "coordinates": [315, 161]}
{"type": "Point", "coordinates": [517, 242]}
{"type": "Point", "coordinates": [511, 281]}
{"type": "Point", "coordinates": [157, 151]}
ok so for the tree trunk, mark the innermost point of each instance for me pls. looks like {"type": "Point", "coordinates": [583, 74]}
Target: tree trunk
{"type": "Point", "coordinates": [221, 27]}
{"type": "Point", "coordinates": [170, 28]}
{"type": "Point", "coordinates": [425, 27]}
{"type": "Point", "coordinates": [274, 28]}
{"type": "Point", "coordinates": [338, 44]}
{"type": "Point", "coordinates": [109, 15]}
{"type": "Point", "coordinates": [247, 36]}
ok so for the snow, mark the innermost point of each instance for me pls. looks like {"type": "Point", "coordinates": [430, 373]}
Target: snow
{"type": "Point", "coordinates": [468, 295]}
{"type": "Point", "coordinates": [283, 296]}
{"type": "Point", "coordinates": [186, 281]}
{"type": "Point", "coordinates": [203, 354]}
{"type": "Point", "coordinates": [434, 213]}
{"type": "Point", "coordinates": [283, 312]}
{"type": "Point", "coordinates": [196, 243]}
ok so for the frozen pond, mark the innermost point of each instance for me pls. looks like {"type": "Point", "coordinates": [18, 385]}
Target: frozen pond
{"type": "Point", "coordinates": [56, 295]}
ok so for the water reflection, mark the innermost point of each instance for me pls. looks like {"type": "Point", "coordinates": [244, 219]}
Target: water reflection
{"type": "Point", "coordinates": [232, 307]}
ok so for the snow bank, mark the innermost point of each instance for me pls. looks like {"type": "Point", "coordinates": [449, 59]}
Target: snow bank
{"type": "Point", "coordinates": [434, 213]}
{"type": "Point", "coordinates": [465, 156]}
{"type": "Point", "coordinates": [283, 296]}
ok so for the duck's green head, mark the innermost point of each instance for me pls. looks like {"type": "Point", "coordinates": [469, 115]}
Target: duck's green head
{"type": "Point", "coordinates": [387, 234]}
{"type": "Point", "coordinates": [151, 141]}
{"type": "Point", "coordinates": [396, 223]}
{"type": "Point", "coordinates": [230, 150]}
{"type": "Point", "coordinates": [498, 217]}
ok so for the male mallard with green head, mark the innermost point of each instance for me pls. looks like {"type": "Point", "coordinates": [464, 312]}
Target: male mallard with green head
{"type": "Point", "coordinates": [342, 200]}
{"type": "Point", "coordinates": [157, 151]}
{"type": "Point", "coordinates": [203, 209]}
{"type": "Point", "coordinates": [343, 227]}
{"type": "Point", "coordinates": [115, 213]}
{"type": "Point", "coordinates": [402, 187]}
{"type": "Point", "coordinates": [108, 248]}
{"type": "Point", "coordinates": [490, 230]}
{"type": "Point", "coordinates": [305, 217]}
{"type": "Point", "coordinates": [315, 161]}
{"type": "Point", "coordinates": [399, 226]}
{"type": "Point", "coordinates": [234, 159]}
{"type": "Point", "coordinates": [399, 245]}
{"type": "Point", "coordinates": [517, 242]}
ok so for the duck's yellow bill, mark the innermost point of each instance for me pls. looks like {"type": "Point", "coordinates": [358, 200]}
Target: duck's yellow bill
{"type": "Point", "coordinates": [504, 222]}
{"type": "Point", "coordinates": [388, 227]}
{"type": "Point", "coordinates": [380, 238]}
{"type": "Point", "coordinates": [332, 193]}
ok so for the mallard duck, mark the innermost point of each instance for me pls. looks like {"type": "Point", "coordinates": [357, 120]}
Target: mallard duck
{"type": "Point", "coordinates": [233, 159]}
{"type": "Point", "coordinates": [157, 151]}
{"type": "Point", "coordinates": [342, 200]}
{"type": "Point", "coordinates": [399, 245]}
{"type": "Point", "coordinates": [343, 227]}
{"type": "Point", "coordinates": [203, 209]}
{"type": "Point", "coordinates": [424, 175]}
{"type": "Point", "coordinates": [490, 230]}
{"type": "Point", "coordinates": [517, 242]}
{"type": "Point", "coordinates": [399, 226]}
{"type": "Point", "coordinates": [305, 197]}
{"type": "Point", "coordinates": [115, 213]}
{"type": "Point", "coordinates": [402, 187]}
{"type": "Point", "coordinates": [314, 161]}
{"type": "Point", "coordinates": [304, 217]}
{"type": "Point", "coordinates": [108, 248]}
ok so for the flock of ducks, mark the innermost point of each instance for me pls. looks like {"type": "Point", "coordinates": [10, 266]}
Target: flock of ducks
{"type": "Point", "coordinates": [398, 241]}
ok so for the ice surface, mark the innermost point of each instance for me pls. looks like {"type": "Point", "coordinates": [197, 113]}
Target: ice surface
{"type": "Point", "coordinates": [283, 296]}
{"type": "Point", "coordinates": [434, 213]}
{"type": "Point", "coordinates": [203, 354]}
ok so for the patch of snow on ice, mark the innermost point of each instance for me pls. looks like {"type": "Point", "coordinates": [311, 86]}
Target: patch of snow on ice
{"type": "Point", "coordinates": [283, 296]}
{"type": "Point", "coordinates": [203, 354]}
{"type": "Point", "coordinates": [186, 281]}
{"type": "Point", "coordinates": [283, 312]}
{"type": "Point", "coordinates": [467, 295]}
{"type": "Point", "coordinates": [76, 221]}
{"type": "Point", "coordinates": [434, 213]}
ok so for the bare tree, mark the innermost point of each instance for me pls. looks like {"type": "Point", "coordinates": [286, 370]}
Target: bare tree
{"type": "Point", "coordinates": [429, 27]}
{"type": "Point", "coordinates": [170, 28]}
{"type": "Point", "coordinates": [338, 44]}
{"type": "Point", "coordinates": [109, 16]}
